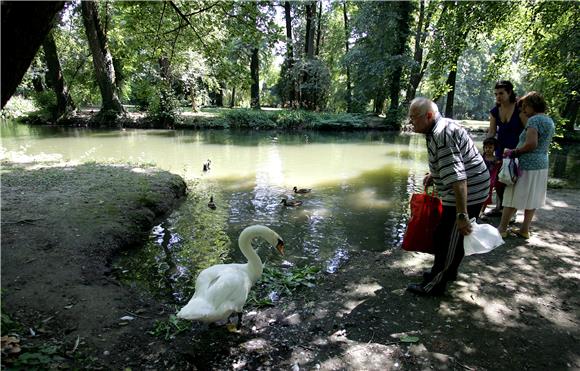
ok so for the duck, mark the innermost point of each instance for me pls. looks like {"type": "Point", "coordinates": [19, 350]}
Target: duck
{"type": "Point", "coordinates": [206, 165]}
{"type": "Point", "coordinates": [291, 203]}
{"type": "Point", "coordinates": [211, 204]}
{"type": "Point", "coordinates": [302, 190]}
{"type": "Point", "coordinates": [222, 290]}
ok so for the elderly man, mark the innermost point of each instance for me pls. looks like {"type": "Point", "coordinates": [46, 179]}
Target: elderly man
{"type": "Point", "coordinates": [462, 181]}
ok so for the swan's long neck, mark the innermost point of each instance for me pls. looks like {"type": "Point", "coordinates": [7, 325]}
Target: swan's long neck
{"type": "Point", "coordinates": [255, 266]}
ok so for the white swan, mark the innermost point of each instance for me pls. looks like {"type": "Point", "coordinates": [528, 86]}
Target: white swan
{"type": "Point", "coordinates": [222, 289]}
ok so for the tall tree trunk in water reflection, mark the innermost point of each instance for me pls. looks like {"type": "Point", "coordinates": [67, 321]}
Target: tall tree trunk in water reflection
{"type": "Point", "coordinates": [55, 78]}
{"type": "Point", "coordinates": [102, 60]}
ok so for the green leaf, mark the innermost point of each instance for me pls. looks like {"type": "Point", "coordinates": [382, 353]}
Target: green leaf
{"type": "Point", "coordinates": [409, 339]}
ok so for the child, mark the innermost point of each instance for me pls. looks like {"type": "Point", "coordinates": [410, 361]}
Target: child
{"type": "Point", "coordinates": [493, 166]}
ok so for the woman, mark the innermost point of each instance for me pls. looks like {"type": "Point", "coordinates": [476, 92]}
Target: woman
{"type": "Point", "coordinates": [529, 192]}
{"type": "Point", "coordinates": [505, 122]}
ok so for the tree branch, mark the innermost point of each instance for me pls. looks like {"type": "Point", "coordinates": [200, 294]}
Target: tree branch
{"type": "Point", "coordinates": [202, 10]}
{"type": "Point", "coordinates": [187, 21]}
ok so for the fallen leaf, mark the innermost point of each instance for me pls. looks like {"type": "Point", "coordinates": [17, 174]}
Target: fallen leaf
{"type": "Point", "coordinates": [409, 339]}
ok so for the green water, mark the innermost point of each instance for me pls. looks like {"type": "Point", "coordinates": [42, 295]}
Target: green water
{"type": "Point", "coordinates": [361, 183]}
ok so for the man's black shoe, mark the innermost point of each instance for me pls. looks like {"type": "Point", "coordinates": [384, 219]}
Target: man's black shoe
{"type": "Point", "coordinates": [418, 289]}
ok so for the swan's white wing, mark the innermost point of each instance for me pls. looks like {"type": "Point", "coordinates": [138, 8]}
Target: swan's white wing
{"type": "Point", "coordinates": [229, 290]}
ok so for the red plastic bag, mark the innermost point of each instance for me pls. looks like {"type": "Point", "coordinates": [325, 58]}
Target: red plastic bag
{"type": "Point", "coordinates": [426, 212]}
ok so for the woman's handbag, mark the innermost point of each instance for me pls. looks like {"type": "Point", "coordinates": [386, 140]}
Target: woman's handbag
{"type": "Point", "coordinates": [509, 171]}
{"type": "Point", "coordinates": [426, 212]}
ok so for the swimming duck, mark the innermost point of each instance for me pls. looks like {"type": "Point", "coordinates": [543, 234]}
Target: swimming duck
{"type": "Point", "coordinates": [291, 203]}
{"type": "Point", "coordinates": [302, 190]}
{"type": "Point", "coordinates": [222, 289]}
{"type": "Point", "coordinates": [211, 204]}
{"type": "Point", "coordinates": [206, 165]}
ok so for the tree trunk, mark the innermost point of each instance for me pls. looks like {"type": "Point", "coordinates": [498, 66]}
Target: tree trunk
{"type": "Point", "coordinates": [318, 32]}
{"type": "Point", "coordinates": [288, 19]}
{"type": "Point", "coordinates": [379, 103]}
{"type": "Point", "coordinates": [419, 69]}
{"type": "Point", "coordinates": [289, 52]}
{"type": "Point", "coordinates": [310, 27]}
{"type": "Point", "coordinates": [24, 27]}
{"type": "Point", "coordinates": [37, 84]}
{"type": "Point", "coordinates": [55, 78]}
{"type": "Point", "coordinates": [102, 60]}
{"type": "Point", "coordinates": [417, 56]}
{"type": "Point", "coordinates": [233, 99]}
{"type": "Point", "coordinates": [193, 97]}
{"type": "Point", "coordinates": [348, 82]}
{"type": "Point", "coordinates": [255, 76]}
{"type": "Point", "coordinates": [219, 100]}
{"type": "Point", "coordinates": [403, 22]}
{"type": "Point", "coordinates": [451, 93]}
{"type": "Point", "coordinates": [570, 112]}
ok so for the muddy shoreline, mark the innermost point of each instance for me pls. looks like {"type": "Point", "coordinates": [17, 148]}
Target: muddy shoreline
{"type": "Point", "coordinates": [515, 308]}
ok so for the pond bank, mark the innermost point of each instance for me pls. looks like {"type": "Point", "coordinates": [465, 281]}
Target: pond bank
{"type": "Point", "coordinates": [61, 226]}
{"type": "Point", "coordinates": [224, 118]}
{"type": "Point", "coordinates": [515, 308]}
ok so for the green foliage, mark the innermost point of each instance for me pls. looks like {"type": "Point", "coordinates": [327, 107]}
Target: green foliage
{"type": "Point", "coordinates": [17, 106]}
{"type": "Point", "coordinates": [250, 119]}
{"type": "Point", "coordinates": [313, 81]}
{"type": "Point", "coordinates": [168, 329]}
{"type": "Point", "coordinates": [282, 283]}
{"type": "Point", "coordinates": [295, 119]}
{"type": "Point", "coordinates": [164, 106]}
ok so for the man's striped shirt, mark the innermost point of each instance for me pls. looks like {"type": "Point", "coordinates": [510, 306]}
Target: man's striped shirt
{"type": "Point", "coordinates": [454, 157]}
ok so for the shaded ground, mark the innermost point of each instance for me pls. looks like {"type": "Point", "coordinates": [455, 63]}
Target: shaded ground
{"type": "Point", "coordinates": [514, 308]}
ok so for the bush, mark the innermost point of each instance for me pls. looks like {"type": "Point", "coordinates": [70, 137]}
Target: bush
{"type": "Point", "coordinates": [248, 118]}
{"type": "Point", "coordinates": [18, 106]}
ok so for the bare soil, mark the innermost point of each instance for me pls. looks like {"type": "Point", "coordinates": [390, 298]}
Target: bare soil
{"type": "Point", "coordinates": [515, 308]}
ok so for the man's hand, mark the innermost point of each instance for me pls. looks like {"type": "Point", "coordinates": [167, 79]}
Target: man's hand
{"type": "Point", "coordinates": [464, 226]}
{"type": "Point", "coordinates": [428, 180]}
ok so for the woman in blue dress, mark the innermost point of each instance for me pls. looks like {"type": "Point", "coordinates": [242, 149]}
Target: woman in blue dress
{"type": "Point", "coordinates": [505, 123]}
{"type": "Point", "coordinates": [529, 192]}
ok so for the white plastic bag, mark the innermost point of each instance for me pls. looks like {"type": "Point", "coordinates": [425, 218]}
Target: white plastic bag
{"type": "Point", "coordinates": [482, 239]}
{"type": "Point", "coordinates": [508, 174]}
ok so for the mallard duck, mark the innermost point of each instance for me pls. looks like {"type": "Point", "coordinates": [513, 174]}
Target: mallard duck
{"type": "Point", "coordinates": [302, 190]}
{"type": "Point", "coordinates": [291, 203]}
{"type": "Point", "coordinates": [206, 165]}
{"type": "Point", "coordinates": [222, 289]}
{"type": "Point", "coordinates": [211, 204]}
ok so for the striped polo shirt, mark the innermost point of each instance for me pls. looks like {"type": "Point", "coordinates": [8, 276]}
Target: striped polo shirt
{"type": "Point", "coordinates": [454, 157]}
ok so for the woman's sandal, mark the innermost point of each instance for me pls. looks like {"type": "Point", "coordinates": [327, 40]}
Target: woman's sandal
{"type": "Point", "coordinates": [524, 235]}
{"type": "Point", "coordinates": [503, 234]}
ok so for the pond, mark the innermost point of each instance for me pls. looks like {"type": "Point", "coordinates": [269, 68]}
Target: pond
{"type": "Point", "coordinates": [361, 183]}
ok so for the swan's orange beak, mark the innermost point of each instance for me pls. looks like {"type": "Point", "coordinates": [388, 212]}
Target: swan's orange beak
{"type": "Point", "coordinates": [280, 246]}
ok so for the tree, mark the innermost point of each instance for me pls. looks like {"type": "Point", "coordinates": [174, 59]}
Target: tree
{"type": "Point", "coordinates": [102, 60]}
{"type": "Point", "coordinates": [24, 27]}
{"type": "Point", "coordinates": [55, 78]}
{"type": "Point", "coordinates": [347, 68]}
{"type": "Point", "coordinates": [404, 10]}
{"type": "Point", "coordinates": [460, 26]}
{"type": "Point", "coordinates": [310, 29]}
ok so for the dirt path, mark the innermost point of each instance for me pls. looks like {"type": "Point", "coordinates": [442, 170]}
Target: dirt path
{"type": "Point", "coordinates": [515, 308]}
